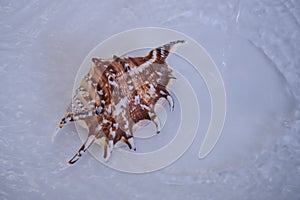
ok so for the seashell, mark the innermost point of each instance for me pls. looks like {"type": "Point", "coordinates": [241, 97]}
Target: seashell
{"type": "Point", "coordinates": [118, 93]}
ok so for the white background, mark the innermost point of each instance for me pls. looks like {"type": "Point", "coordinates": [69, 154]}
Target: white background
{"type": "Point", "coordinates": [255, 45]}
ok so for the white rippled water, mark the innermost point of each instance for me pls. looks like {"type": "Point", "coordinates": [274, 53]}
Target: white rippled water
{"type": "Point", "coordinates": [255, 45]}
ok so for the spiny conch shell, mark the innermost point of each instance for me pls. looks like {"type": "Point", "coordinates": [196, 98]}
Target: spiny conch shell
{"type": "Point", "coordinates": [118, 93]}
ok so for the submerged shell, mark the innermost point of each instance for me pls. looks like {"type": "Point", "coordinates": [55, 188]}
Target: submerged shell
{"type": "Point", "coordinates": [118, 93]}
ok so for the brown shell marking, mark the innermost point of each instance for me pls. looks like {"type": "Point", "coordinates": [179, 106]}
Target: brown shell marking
{"type": "Point", "coordinates": [118, 93]}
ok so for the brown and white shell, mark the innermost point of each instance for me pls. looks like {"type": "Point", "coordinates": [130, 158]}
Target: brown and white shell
{"type": "Point", "coordinates": [118, 93]}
